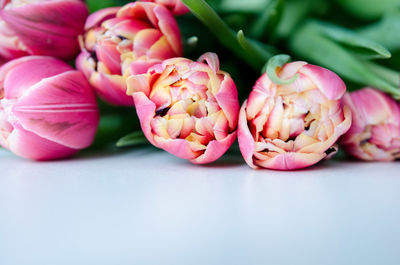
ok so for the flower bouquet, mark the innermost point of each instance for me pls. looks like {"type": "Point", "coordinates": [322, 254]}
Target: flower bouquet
{"type": "Point", "coordinates": [293, 81]}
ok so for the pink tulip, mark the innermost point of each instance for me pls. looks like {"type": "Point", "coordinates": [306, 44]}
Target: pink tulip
{"type": "Point", "coordinates": [296, 125]}
{"type": "Point", "coordinates": [47, 109]}
{"type": "Point", "coordinates": [187, 108]}
{"type": "Point", "coordinates": [126, 41]}
{"type": "Point", "coordinates": [41, 27]}
{"type": "Point", "coordinates": [176, 6]}
{"type": "Point", "coordinates": [375, 132]}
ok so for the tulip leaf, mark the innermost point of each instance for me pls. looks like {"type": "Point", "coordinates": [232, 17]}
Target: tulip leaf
{"type": "Point", "coordinates": [225, 35]}
{"type": "Point", "coordinates": [386, 31]}
{"type": "Point", "coordinates": [253, 6]}
{"type": "Point", "coordinates": [292, 15]}
{"type": "Point", "coordinates": [95, 5]}
{"type": "Point", "coordinates": [309, 42]}
{"type": "Point", "coordinates": [355, 42]}
{"type": "Point", "coordinates": [369, 9]}
{"type": "Point", "coordinates": [392, 76]}
{"type": "Point", "coordinates": [132, 139]}
{"type": "Point", "coordinates": [268, 20]}
{"type": "Point", "coordinates": [274, 65]}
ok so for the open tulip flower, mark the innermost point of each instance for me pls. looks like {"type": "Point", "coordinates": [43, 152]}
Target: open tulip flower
{"type": "Point", "coordinates": [126, 41]}
{"type": "Point", "coordinates": [41, 27]}
{"type": "Point", "coordinates": [187, 108]}
{"type": "Point", "coordinates": [47, 109]}
{"type": "Point", "coordinates": [375, 132]}
{"type": "Point", "coordinates": [296, 123]}
{"type": "Point", "coordinates": [176, 6]}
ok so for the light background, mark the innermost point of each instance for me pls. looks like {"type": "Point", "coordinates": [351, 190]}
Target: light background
{"type": "Point", "coordinates": [148, 207]}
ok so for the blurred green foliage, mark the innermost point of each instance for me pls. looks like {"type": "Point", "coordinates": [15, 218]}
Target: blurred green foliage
{"type": "Point", "coordinates": [358, 39]}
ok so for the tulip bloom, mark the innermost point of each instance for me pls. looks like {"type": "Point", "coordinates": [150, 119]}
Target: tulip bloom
{"type": "Point", "coordinates": [41, 27]}
{"type": "Point", "coordinates": [295, 125]}
{"type": "Point", "coordinates": [47, 109]}
{"type": "Point", "coordinates": [375, 132]}
{"type": "Point", "coordinates": [187, 108]}
{"type": "Point", "coordinates": [126, 41]}
{"type": "Point", "coordinates": [175, 6]}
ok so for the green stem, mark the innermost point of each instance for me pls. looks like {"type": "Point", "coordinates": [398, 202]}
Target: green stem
{"type": "Point", "coordinates": [254, 56]}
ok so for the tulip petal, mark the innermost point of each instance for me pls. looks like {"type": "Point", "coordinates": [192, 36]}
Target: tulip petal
{"type": "Point", "coordinates": [61, 109]}
{"type": "Point", "coordinates": [215, 149]}
{"type": "Point", "coordinates": [35, 68]}
{"type": "Point", "coordinates": [29, 145]}
{"type": "Point", "coordinates": [100, 16]}
{"type": "Point", "coordinates": [291, 161]}
{"type": "Point", "coordinates": [227, 99]}
{"type": "Point", "coordinates": [327, 81]}
{"type": "Point", "coordinates": [48, 28]}
{"type": "Point", "coordinates": [211, 59]}
{"type": "Point", "coordinates": [245, 138]}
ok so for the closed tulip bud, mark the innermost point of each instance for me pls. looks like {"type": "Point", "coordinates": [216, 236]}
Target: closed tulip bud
{"type": "Point", "coordinates": [187, 108]}
{"type": "Point", "coordinates": [375, 132]}
{"type": "Point", "coordinates": [126, 41]}
{"type": "Point", "coordinates": [41, 27]}
{"type": "Point", "coordinates": [47, 109]}
{"type": "Point", "coordinates": [296, 124]}
{"type": "Point", "coordinates": [176, 6]}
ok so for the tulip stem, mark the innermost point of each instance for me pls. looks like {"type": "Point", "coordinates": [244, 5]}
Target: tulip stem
{"type": "Point", "coordinates": [249, 51]}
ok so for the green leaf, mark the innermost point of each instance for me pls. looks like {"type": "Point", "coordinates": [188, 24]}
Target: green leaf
{"type": "Point", "coordinates": [369, 9]}
{"type": "Point", "coordinates": [276, 63]}
{"type": "Point", "coordinates": [253, 6]}
{"type": "Point", "coordinates": [354, 42]}
{"type": "Point", "coordinates": [386, 31]}
{"type": "Point", "coordinates": [308, 42]}
{"type": "Point", "coordinates": [225, 35]}
{"type": "Point", "coordinates": [392, 76]}
{"type": "Point", "coordinates": [268, 20]}
{"type": "Point", "coordinates": [95, 5]}
{"type": "Point", "coordinates": [132, 139]}
{"type": "Point", "coordinates": [292, 16]}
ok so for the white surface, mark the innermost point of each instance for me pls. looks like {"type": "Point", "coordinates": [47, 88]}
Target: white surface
{"type": "Point", "coordinates": [148, 207]}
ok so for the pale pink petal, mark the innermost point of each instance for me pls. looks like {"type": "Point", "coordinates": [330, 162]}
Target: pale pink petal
{"type": "Point", "coordinates": [169, 27]}
{"type": "Point", "coordinates": [177, 147]}
{"type": "Point", "coordinates": [100, 16]}
{"type": "Point", "coordinates": [138, 83]}
{"type": "Point", "coordinates": [327, 81]}
{"type": "Point", "coordinates": [111, 88]}
{"type": "Point", "coordinates": [145, 110]}
{"type": "Point", "coordinates": [211, 59]}
{"type": "Point", "coordinates": [108, 54]}
{"type": "Point", "coordinates": [215, 149]}
{"type": "Point", "coordinates": [291, 161]}
{"type": "Point", "coordinates": [246, 140]}
{"type": "Point", "coordinates": [227, 99]}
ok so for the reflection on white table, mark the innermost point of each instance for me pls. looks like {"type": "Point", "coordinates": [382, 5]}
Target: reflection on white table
{"type": "Point", "coordinates": [148, 207]}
